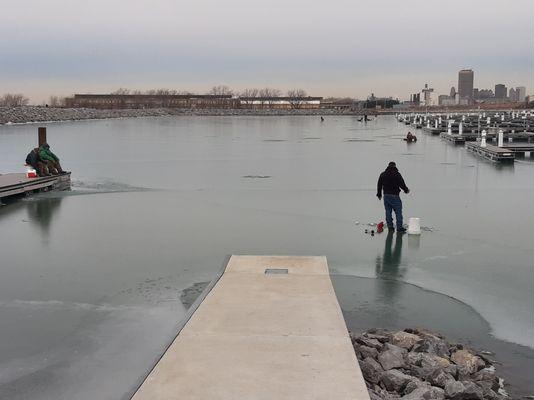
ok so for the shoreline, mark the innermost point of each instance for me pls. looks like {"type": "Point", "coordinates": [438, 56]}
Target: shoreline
{"type": "Point", "coordinates": [38, 114]}
{"type": "Point", "coordinates": [35, 114]}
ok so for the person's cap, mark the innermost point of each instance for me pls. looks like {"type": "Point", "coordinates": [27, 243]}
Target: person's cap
{"type": "Point", "coordinates": [392, 164]}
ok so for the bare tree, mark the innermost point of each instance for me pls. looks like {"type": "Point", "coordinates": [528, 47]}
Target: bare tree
{"type": "Point", "coordinates": [221, 90]}
{"type": "Point", "coordinates": [14, 100]}
{"type": "Point", "coordinates": [56, 101]}
{"type": "Point", "coordinates": [268, 95]}
{"type": "Point", "coordinates": [296, 97]}
{"type": "Point", "coordinates": [250, 96]}
{"type": "Point", "coordinates": [121, 91]}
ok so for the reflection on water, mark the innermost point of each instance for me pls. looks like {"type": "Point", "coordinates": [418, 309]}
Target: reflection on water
{"type": "Point", "coordinates": [41, 212]}
{"type": "Point", "coordinates": [388, 266]}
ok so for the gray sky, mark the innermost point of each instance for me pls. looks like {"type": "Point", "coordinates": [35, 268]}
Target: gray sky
{"type": "Point", "coordinates": [335, 47]}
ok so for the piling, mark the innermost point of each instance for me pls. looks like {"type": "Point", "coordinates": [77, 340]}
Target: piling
{"type": "Point", "coordinates": [42, 135]}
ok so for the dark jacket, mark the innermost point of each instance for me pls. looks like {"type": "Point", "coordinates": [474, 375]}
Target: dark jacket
{"type": "Point", "coordinates": [32, 159]}
{"type": "Point", "coordinates": [391, 182]}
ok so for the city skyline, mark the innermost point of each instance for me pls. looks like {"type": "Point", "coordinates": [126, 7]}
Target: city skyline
{"type": "Point", "coordinates": [337, 49]}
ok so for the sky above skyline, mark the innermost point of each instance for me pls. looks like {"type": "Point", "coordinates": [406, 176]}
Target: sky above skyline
{"type": "Point", "coordinates": [334, 48]}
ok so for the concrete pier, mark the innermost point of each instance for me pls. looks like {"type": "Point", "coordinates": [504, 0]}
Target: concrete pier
{"type": "Point", "coordinates": [270, 328]}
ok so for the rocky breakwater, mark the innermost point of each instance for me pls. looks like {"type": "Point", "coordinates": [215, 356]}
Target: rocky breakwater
{"type": "Point", "coordinates": [417, 364]}
{"type": "Point", "coordinates": [19, 115]}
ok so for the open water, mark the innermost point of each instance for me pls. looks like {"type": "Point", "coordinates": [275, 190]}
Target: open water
{"type": "Point", "coordinates": [93, 282]}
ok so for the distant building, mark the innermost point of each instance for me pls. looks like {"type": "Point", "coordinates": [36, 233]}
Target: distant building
{"type": "Point", "coordinates": [280, 102]}
{"type": "Point", "coordinates": [482, 94]}
{"type": "Point", "coordinates": [501, 91]}
{"type": "Point", "coordinates": [521, 93]}
{"type": "Point", "coordinates": [512, 95]}
{"type": "Point", "coordinates": [427, 95]}
{"type": "Point", "coordinates": [466, 78]}
{"type": "Point", "coordinates": [114, 101]}
{"type": "Point", "coordinates": [122, 101]}
{"type": "Point", "coordinates": [446, 101]}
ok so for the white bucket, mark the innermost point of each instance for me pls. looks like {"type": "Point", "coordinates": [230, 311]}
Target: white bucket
{"type": "Point", "coordinates": [414, 226]}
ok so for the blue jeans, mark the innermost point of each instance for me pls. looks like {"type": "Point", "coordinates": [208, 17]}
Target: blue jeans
{"type": "Point", "coordinates": [393, 203]}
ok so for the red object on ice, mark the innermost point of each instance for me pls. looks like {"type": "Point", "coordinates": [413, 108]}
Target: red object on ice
{"type": "Point", "coordinates": [380, 227]}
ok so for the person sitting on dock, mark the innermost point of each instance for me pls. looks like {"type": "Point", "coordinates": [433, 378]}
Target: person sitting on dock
{"type": "Point", "coordinates": [51, 160]}
{"type": "Point", "coordinates": [391, 182]}
{"type": "Point", "coordinates": [34, 160]}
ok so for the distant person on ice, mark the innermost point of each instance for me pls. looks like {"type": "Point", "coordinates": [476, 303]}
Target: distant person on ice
{"type": "Point", "coordinates": [391, 183]}
{"type": "Point", "coordinates": [50, 159]}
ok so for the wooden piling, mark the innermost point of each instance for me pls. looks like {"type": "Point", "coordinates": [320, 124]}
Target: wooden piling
{"type": "Point", "coordinates": [42, 135]}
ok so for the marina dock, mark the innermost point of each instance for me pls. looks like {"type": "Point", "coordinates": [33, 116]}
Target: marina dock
{"type": "Point", "coordinates": [269, 328]}
{"type": "Point", "coordinates": [491, 152]}
{"type": "Point", "coordinates": [515, 129]}
{"type": "Point", "coordinates": [16, 184]}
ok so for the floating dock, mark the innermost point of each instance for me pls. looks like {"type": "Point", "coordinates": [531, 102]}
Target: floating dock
{"type": "Point", "coordinates": [491, 152]}
{"type": "Point", "coordinates": [270, 328]}
{"type": "Point", "coordinates": [16, 184]}
{"type": "Point", "coordinates": [453, 138]}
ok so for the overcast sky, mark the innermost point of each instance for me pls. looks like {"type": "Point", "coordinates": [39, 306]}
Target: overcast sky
{"type": "Point", "coordinates": [328, 47]}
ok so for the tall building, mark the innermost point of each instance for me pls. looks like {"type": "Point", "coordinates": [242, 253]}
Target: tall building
{"type": "Point", "coordinates": [501, 91]}
{"type": "Point", "coordinates": [427, 95]}
{"type": "Point", "coordinates": [512, 95]}
{"type": "Point", "coordinates": [466, 78]}
{"type": "Point", "coordinates": [453, 92]}
{"type": "Point", "coordinates": [521, 93]}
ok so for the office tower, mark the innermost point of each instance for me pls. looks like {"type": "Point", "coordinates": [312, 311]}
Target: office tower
{"type": "Point", "coordinates": [512, 95]}
{"type": "Point", "coordinates": [466, 79]}
{"type": "Point", "coordinates": [501, 91]}
{"type": "Point", "coordinates": [521, 93]}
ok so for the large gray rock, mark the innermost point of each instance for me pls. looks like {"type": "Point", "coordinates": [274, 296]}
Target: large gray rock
{"type": "Point", "coordinates": [382, 338]}
{"type": "Point", "coordinates": [467, 361]}
{"type": "Point", "coordinates": [366, 351]}
{"type": "Point", "coordinates": [371, 370]}
{"type": "Point", "coordinates": [486, 377]}
{"type": "Point", "coordinates": [413, 384]}
{"type": "Point", "coordinates": [369, 342]}
{"type": "Point", "coordinates": [472, 391]}
{"type": "Point", "coordinates": [437, 393]}
{"type": "Point", "coordinates": [404, 339]}
{"type": "Point", "coordinates": [396, 349]}
{"type": "Point", "coordinates": [433, 345]}
{"type": "Point", "coordinates": [440, 378]}
{"type": "Point", "coordinates": [395, 380]}
{"type": "Point", "coordinates": [422, 392]}
{"type": "Point", "coordinates": [454, 390]}
{"type": "Point", "coordinates": [391, 359]}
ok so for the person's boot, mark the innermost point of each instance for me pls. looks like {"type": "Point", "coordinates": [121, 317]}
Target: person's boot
{"type": "Point", "coordinates": [401, 230]}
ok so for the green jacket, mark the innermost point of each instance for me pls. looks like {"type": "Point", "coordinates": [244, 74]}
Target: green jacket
{"type": "Point", "coordinates": [47, 155]}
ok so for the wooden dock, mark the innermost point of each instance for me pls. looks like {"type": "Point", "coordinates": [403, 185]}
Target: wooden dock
{"type": "Point", "coordinates": [270, 328]}
{"type": "Point", "coordinates": [16, 184]}
{"type": "Point", "coordinates": [491, 152]}
{"type": "Point", "coordinates": [453, 138]}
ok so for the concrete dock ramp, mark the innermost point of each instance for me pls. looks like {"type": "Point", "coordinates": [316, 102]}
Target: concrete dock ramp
{"type": "Point", "coordinates": [271, 328]}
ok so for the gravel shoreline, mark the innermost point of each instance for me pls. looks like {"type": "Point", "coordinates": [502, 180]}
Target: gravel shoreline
{"type": "Point", "coordinates": [419, 364]}
{"type": "Point", "coordinates": [30, 114]}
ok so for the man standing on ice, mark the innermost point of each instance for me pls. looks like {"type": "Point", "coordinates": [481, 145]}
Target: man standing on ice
{"type": "Point", "coordinates": [391, 182]}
